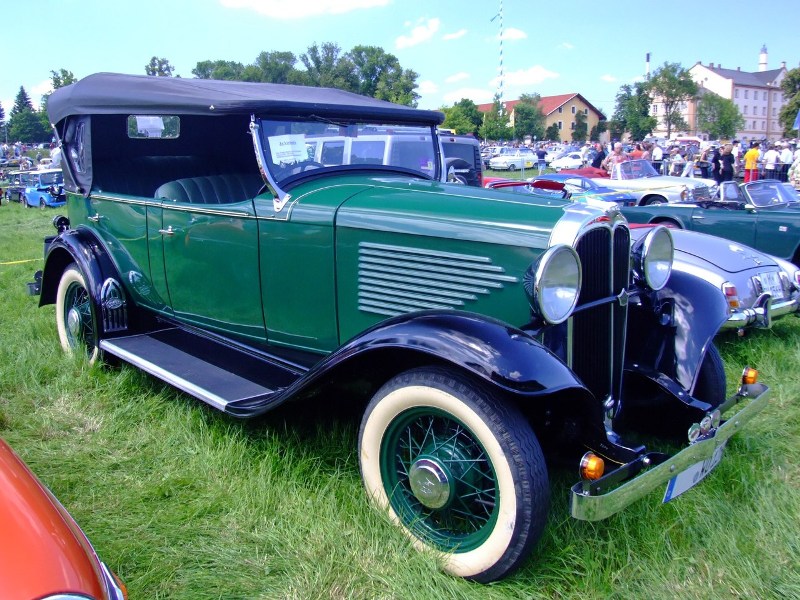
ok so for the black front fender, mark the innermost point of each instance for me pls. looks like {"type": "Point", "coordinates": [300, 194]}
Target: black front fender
{"type": "Point", "coordinates": [672, 337]}
{"type": "Point", "coordinates": [502, 355]}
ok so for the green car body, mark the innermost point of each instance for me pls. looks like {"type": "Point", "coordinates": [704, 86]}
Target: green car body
{"type": "Point", "coordinates": [763, 214]}
{"type": "Point", "coordinates": [253, 244]}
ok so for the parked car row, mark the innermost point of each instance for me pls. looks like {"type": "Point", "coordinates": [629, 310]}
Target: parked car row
{"type": "Point", "coordinates": [483, 332]}
{"type": "Point", "coordinates": [41, 188]}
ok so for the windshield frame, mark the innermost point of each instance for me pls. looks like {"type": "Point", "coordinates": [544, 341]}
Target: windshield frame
{"type": "Point", "coordinates": [291, 150]}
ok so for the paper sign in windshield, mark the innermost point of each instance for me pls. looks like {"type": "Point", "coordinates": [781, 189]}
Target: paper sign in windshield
{"type": "Point", "coordinates": [288, 148]}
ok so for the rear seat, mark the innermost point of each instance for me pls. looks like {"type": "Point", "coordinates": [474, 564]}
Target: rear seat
{"type": "Point", "coordinates": [212, 189]}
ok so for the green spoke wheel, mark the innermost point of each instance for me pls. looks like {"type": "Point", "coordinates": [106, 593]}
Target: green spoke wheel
{"type": "Point", "coordinates": [459, 471]}
{"type": "Point", "coordinates": [75, 314]}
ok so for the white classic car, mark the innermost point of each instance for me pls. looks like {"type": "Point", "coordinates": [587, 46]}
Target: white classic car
{"type": "Point", "coordinates": [643, 181]}
{"type": "Point", "coordinates": [517, 158]}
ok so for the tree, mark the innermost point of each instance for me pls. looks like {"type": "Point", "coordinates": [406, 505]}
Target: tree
{"type": "Point", "coordinates": [495, 123]}
{"type": "Point", "coordinates": [632, 112]}
{"type": "Point", "coordinates": [553, 132]}
{"type": "Point", "coordinates": [381, 76]}
{"type": "Point", "coordinates": [61, 78]}
{"type": "Point", "coordinates": [601, 127]}
{"type": "Point", "coordinates": [528, 117]}
{"type": "Point", "coordinates": [463, 116]}
{"type": "Point", "coordinates": [3, 121]}
{"type": "Point", "coordinates": [791, 92]}
{"type": "Point", "coordinates": [326, 66]}
{"type": "Point", "coordinates": [276, 67]}
{"type": "Point", "coordinates": [28, 126]}
{"type": "Point", "coordinates": [218, 69]}
{"type": "Point", "coordinates": [22, 103]}
{"type": "Point", "coordinates": [581, 128]}
{"type": "Point", "coordinates": [672, 85]}
{"type": "Point", "coordinates": [159, 67]}
{"type": "Point", "coordinates": [718, 116]}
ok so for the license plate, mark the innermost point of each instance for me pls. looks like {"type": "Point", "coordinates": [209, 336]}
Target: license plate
{"type": "Point", "coordinates": [693, 475]}
{"type": "Point", "coordinates": [771, 283]}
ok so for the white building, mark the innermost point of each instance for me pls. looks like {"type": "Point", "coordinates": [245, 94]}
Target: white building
{"type": "Point", "coordinates": [757, 95]}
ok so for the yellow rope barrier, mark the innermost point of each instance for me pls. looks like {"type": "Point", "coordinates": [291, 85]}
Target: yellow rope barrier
{"type": "Point", "coordinates": [19, 262]}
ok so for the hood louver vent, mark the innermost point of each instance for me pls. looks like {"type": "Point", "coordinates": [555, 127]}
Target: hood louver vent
{"type": "Point", "coordinates": [393, 280]}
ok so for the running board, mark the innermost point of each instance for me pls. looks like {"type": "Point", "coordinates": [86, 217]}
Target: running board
{"type": "Point", "coordinates": [209, 370]}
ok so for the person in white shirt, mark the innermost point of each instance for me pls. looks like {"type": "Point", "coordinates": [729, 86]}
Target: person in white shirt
{"type": "Point", "coordinates": [771, 159]}
{"type": "Point", "coordinates": [786, 162]}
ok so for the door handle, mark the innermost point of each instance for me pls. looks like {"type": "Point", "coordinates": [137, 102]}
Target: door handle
{"type": "Point", "coordinates": [95, 218]}
{"type": "Point", "coordinates": [698, 217]}
{"type": "Point", "coordinates": [168, 231]}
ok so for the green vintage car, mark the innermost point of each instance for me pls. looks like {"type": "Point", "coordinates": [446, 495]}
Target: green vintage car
{"type": "Point", "coordinates": [763, 214]}
{"type": "Point", "coordinates": [253, 244]}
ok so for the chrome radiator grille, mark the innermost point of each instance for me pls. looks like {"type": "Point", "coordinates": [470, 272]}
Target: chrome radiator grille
{"type": "Point", "coordinates": [598, 332]}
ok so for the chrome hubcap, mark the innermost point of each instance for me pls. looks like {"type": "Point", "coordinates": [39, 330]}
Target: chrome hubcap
{"type": "Point", "coordinates": [430, 483]}
{"type": "Point", "coordinates": [74, 323]}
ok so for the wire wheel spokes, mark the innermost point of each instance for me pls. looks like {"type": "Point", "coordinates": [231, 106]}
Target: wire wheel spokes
{"type": "Point", "coordinates": [457, 474]}
{"type": "Point", "coordinates": [78, 318]}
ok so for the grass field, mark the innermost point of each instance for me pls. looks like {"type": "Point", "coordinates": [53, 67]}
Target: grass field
{"type": "Point", "coordinates": [184, 502]}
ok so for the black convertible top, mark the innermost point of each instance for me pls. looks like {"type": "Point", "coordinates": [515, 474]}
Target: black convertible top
{"type": "Point", "coordinates": [112, 93]}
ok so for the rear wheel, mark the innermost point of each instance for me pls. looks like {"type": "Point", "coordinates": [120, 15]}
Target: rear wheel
{"type": "Point", "coordinates": [459, 471]}
{"type": "Point", "coordinates": [76, 317]}
{"type": "Point", "coordinates": [42, 204]}
{"type": "Point", "coordinates": [512, 167]}
{"type": "Point", "coordinates": [23, 200]}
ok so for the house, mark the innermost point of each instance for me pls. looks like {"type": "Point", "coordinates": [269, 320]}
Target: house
{"type": "Point", "coordinates": [560, 110]}
{"type": "Point", "coordinates": [756, 94]}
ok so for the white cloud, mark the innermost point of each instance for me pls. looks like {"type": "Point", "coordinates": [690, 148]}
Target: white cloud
{"type": "Point", "coordinates": [292, 9]}
{"type": "Point", "coordinates": [427, 87]}
{"type": "Point", "coordinates": [566, 46]}
{"type": "Point", "coordinates": [456, 77]}
{"type": "Point", "coordinates": [512, 33]}
{"type": "Point", "coordinates": [608, 78]}
{"type": "Point", "coordinates": [526, 77]}
{"type": "Point", "coordinates": [477, 95]}
{"type": "Point", "coordinates": [420, 33]}
{"type": "Point", "coordinates": [455, 36]}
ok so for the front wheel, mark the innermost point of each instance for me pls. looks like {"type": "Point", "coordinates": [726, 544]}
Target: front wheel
{"type": "Point", "coordinates": [459, 471]}
{"type": "Point", "coordinates": [711, 382]}
{"type": "Point", "coordinates": [42, 204]}
{"type": "Point", "coordinates": [23, 200]}
{"type": "Point", "coordinates": [76, 317]}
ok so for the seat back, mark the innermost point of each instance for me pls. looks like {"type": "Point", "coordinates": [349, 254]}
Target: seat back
{"type": "Point", "coordinates": [211, 189]}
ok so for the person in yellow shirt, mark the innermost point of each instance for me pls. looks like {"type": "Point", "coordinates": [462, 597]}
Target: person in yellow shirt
{"type": "Point", "coordinates": [751, 163]}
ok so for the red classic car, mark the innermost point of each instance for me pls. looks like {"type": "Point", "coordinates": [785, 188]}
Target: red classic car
{"type": "Point", "coordinates": [44, 554]}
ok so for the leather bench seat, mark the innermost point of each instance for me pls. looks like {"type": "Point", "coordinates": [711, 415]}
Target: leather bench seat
{"type": "Point", "coordinates": [212, 189]}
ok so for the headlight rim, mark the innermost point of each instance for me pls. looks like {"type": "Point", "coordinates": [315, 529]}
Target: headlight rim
{"type": "Point", "coordinates": [536, 275]}
{"type": "Point", "coordinates": [643, 252]}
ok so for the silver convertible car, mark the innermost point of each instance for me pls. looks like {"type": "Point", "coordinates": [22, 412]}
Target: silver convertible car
{"type": "Point", "coordinates": [757, 288]}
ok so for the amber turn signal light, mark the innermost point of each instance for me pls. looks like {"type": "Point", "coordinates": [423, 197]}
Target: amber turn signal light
{"type": "Point", "coordinates": [592, 466]}
{"type": "Point", "coordinates": [749, 376]}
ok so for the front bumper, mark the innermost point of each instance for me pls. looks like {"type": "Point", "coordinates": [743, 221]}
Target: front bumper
{"type": "Point", "coordinates": [596, 500]}
{"type": "Point", "coordinates": [762, 313]}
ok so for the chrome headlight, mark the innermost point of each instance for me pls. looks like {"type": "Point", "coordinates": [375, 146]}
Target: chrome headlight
{"type": "Point", "coordinates": [553, 283]}
{"type": "Point", "coordinates": [652, 258]}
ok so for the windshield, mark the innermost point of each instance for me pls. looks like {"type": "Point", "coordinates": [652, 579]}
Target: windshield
{"type": "Point", "coordinates": [47, 179]}
{"type": "Point", "coordinates": [636, 169]}
{"type": "Point", "coordinates": [769, 193]}
{"type": "Point", "coordinates": [293, 149]}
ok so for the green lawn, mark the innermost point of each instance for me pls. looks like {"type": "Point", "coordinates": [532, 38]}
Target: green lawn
{"type": "Point", "coordinates": [184, 502]}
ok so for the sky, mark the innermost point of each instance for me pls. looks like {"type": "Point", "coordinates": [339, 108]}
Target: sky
{"type": "Point", "coordinates": [549, 48]}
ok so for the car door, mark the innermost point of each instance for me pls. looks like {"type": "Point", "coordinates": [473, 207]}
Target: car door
{"type": "Point", "coordinates": [211, 264]}
{"type": "Point", "coordinates": [777, 231]}
{"type": "Point", "coordinates": [730, 223]}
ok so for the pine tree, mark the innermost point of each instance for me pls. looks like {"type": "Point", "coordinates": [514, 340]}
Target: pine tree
{"type": "Point", "coordinates": [22, 103]}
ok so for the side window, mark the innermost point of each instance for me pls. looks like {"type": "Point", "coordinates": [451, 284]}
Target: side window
{"type": "Point", "coordinates": [77, 150]}
{"type": "Point", "coordinates": [332, 153]}
{"type": "Point", "coordinates": [165, 127]}
{"type": "Point", "coordinates": [367, 153]}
